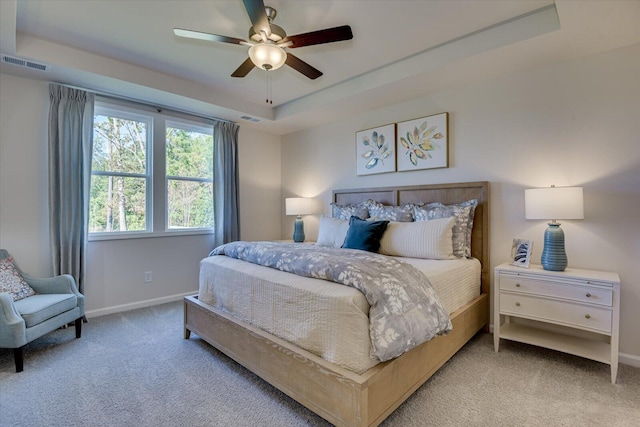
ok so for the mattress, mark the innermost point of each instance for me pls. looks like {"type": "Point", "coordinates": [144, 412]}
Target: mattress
{"type": "Point", "coordinates": [325, 318]}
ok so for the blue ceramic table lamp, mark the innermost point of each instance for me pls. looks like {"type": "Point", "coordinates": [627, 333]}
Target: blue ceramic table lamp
{"type": "Point", "coordinates": [298, 206]}
{"type": "Point", "coordinates": [554, 203]}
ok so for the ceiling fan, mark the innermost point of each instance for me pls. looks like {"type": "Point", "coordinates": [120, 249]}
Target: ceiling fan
{"type": "Point", "coordinates": [267, 41]}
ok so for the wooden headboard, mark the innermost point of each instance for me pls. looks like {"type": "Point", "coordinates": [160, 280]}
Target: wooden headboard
{"type": "Point", "coordinates": [443, 193]}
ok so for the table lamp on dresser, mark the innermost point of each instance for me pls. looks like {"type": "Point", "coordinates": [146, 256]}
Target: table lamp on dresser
{"type": "Point", "coordinates": [554, 203]}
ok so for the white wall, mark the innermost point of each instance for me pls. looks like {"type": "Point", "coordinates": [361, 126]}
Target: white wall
{"type": "Point", "coordinates": [573, 123]}
{"type": "Point", "coordinates": [116, 267]}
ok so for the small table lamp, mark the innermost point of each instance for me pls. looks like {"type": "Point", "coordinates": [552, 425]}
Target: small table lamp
{"type": "Point", "coordinates": [554, 203]}
{"type": "Point", "coordinates": [298, 206]}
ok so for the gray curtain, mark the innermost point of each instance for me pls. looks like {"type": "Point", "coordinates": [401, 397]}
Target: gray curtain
{"type": "Point", "coordinates": [70, 145]}
{"type": "Point", "coordinates": [225, 183]}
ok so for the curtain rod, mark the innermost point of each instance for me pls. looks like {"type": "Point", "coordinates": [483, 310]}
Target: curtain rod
{"type": "Point", "coordinates": [137, 101]}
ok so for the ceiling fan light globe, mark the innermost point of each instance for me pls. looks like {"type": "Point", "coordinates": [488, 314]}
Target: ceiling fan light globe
{"type": "Point", "coordinates": [267, 56]}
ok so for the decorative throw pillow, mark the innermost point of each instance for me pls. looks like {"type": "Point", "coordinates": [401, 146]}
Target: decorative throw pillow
{"type": "Point", "coordinates": [424, 239]}
{"type": "Point", "coordinates": [332, 232]}
{"type": "Point", "coordinates": [12, 282]}
{"type": "Point", "coordinates": [347, 211]}
{"type": "Point", "coordinates": [463, 226]}
{"type": "Point", "coordinates": [364, 235]}
{"type": "Point", "coordinates": [378, 211]}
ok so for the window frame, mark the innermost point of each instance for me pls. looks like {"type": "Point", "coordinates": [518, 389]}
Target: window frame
{"type": "Point", "coordinates": [188, 126]}
{"type": "Point", "coordinates": [157, 180]}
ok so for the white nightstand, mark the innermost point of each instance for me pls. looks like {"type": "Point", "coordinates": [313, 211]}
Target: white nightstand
{"type": "Point", "coordinates": [574, 311]}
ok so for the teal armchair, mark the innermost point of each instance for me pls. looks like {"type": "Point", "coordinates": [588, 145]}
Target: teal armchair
{"type": "Point", "coordinates": [57, 302]}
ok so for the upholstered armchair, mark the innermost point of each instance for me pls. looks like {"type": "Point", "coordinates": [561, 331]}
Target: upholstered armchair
{"type": "Point", "coordinates": [56, 302]}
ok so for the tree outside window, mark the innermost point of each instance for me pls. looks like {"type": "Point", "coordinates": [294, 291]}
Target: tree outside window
{"type": "Point", "coordinates": [119, 174]}
{"type": "Point", "coordinates": [189, 156]}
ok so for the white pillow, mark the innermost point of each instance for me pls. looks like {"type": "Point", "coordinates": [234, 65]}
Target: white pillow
{"type": "Point", "coordinates": [332, 232]}
{"type": "Point", "coordinates": [424, 239]}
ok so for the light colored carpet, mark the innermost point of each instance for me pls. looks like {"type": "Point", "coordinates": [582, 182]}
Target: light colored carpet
{"type": "Point", "coordinates": [135, 369]}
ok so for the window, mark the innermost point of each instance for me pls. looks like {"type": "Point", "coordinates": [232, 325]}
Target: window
{"type": "Point", "coordinates": [152, 172]}
{"type": "Point", "coordinates": [120, 172]}
{"type": "Point", "coordinates": [189, 177]}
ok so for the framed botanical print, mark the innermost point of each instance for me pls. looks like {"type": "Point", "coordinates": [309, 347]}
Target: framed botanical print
{"type": "Point", "coordinates": [375, 151]}
{"type": "Point", "coordinates": [423, 143]}
{"type": "Point", "coordinates": [521, 252]}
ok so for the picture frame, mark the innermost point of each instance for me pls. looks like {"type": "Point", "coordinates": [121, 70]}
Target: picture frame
{"type": "Point", "coordinates": [375, 150]}
{"type": "Point", "coordinates": [423, 143]}
{"type": "Point", "coordinates": [521, 252]}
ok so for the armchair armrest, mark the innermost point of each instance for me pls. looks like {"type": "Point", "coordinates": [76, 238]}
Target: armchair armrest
{"type": "Point", "coordinates": [12, 326]}
{"type": "Point", "coordinates": [64, 284]}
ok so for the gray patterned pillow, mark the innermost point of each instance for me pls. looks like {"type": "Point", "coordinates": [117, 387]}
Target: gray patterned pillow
{"type": "Point", "coordinates": [463, 226]}
{"type": "Point", "coordinates": [360, 210]}
{"type": "Point", "coordinates": [378, 211]}
{"type": "Point", "coordinates": [12, 282]}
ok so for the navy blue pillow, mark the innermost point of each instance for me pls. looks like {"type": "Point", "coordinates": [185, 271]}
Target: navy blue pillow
{"type": "Point", "coordinates": [364, 235]}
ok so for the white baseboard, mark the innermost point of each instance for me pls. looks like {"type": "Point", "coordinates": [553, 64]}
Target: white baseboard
{"type": "Point", "coordinates": [629, 359]}
{"type": "Point", "coordinates": [623, 358]}
{"type": "Point", "coordinates": [140, 304]}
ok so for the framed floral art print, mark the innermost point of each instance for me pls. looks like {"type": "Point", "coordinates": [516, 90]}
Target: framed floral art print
{"type": "Point", "coordinates": [375, 151]}
{"type": "Point", "coordinates": [423, 143]}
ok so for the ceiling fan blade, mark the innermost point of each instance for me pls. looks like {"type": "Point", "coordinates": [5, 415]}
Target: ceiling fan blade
{"type": "Point", "coordinates": [208, 37]}
{"type": "Point", "coordinates": [328, 35]}
{"type": "Point", "coordinates": [302, 67]}
{"type": "Point", "coordinates": [243, 69]}
{"type": "Point", "coordinates": [255, 10]}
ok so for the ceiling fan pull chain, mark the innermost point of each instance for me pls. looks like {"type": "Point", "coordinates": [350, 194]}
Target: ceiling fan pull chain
{"type": "Point", "coordinates": [269, 89]}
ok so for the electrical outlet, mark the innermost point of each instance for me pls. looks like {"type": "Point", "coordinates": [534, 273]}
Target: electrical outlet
{"type": "Point", "coordinates": [147, 276]}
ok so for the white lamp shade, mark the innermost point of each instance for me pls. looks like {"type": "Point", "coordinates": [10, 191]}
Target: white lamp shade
{"type": "Point", "coordinates": [298, 206]}
{"type": "Point", "coordinates": [267, 56]}
{"type": "Point", "coordinates": [554, 203]}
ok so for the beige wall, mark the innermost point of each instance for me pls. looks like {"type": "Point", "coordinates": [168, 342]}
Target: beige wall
{"type": "Point", "coordinates": [23, 169]}
{"type": "Point", "coordinates": [573, 123]}
{"type": "Point", "coordinates": [568, 124]}
{"type": "Point", "coordinates": [116, 267]}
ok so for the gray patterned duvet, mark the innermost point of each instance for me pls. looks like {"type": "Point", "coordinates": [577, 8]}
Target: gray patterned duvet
{"type": "Point", "coordinates": [404, 309]}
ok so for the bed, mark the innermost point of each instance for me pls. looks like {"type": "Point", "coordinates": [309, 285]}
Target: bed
{"type": "Point", "coordinates": [342, 396]}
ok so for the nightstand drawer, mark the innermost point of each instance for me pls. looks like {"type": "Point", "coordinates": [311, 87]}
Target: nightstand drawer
{"type": "Point", "coordinates": [564, 313]}
{"type": "Point", "coordinates": [587, 294]}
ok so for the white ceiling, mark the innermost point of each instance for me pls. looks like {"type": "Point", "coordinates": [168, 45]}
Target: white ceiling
{"type": "Point", "coordinates": [401, 49]}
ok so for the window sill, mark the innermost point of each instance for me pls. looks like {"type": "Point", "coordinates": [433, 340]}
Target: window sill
{"type": "Point", "coordinates": [97, 237]}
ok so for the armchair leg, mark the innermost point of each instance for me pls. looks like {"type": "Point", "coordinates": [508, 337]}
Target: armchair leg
{"type": "Point", "coordinates": [18, 355]}
{"type": "Point", "coordinates": [78, 327]}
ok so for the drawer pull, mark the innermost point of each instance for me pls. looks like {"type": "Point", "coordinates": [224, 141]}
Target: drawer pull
{"type": "Point", "coordinates": [518, 305]}
{"type": "Point", "coordinates": [517, 285]}
{"type": "Point", "coordinates": [588, 295]}
{"type": "Point", "coordinates": [586, 316]}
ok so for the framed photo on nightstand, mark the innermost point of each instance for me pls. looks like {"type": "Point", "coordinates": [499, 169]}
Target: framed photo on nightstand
{"type": "Point", "coordinates": [521, 252]}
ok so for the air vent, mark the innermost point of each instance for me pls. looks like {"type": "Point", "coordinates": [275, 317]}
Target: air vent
{"type": "Point", "coordinates": [24, 63]}
{"type": "Point", "coordinates": [251, 119]}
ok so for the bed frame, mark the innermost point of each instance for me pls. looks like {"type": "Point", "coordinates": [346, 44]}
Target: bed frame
{"type": "Point", "coordinates": [334, 393]}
